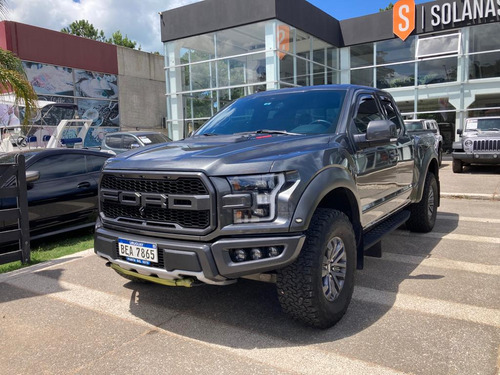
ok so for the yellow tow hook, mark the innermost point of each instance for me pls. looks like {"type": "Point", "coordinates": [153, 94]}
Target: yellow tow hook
{"type": "Point", "coordinates": [186, 282]}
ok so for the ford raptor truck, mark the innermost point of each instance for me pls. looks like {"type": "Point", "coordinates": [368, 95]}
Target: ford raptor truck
{"type": "Point", "coordinates": [292, 186]}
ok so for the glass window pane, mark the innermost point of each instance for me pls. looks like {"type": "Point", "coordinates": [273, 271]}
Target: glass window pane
{"type": "Point", "coordinates": [362, 77]}
{"type": "Point", "coordinates": [332, 58]}
{"type": "Point", "coordinates": [438, 45]}
{"type": "Point", "coordinates": [302, 44]}
{"type": "Point", "coordinates": [302, 72]}
{"type": "Point", "coordinates": [58, 166]}
{"type": "Point", "coordinates": [241, 40]}
{"type": "Point", "coordinates": [114, 141]}
{"type": "Point", "coordinates": [198, 48]}
{"type": "Point", "coordinates": [286, 69]}
{"type": "Point", "coordinates": [484, 65]}
{"type": "Point", "coordinates": [396, 50]}
{"type": "Point", "coordinates": [401, 75]}
{"type": "Point", "coordinates": [485, 105]}
{"type": "Point", "coordinates": [437, 71]}
{"type": "Point", "coordinates": [484, 37]}
{"type": "Point", "coordinates": [318, 74]}
{"type": "Point", "coordinates": [199, 105]}
{"type": "Point", "coordinates": [202, 76]}
{"type": "Point", "coordinates": [362, 55]}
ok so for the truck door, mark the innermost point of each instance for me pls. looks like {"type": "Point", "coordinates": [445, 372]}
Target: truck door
{"type": "Point", "coordinates": [405, 149]}
{"type": "Point", "coordinates": [376, 165]}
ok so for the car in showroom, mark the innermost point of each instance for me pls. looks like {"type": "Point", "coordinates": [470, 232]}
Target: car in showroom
{"type": "Point", "coordinates": [479, 143]}
{"type": "Point", "coordinates": [61, 188]}
{"type": "Point", "coordinates": [118, 142]}
{"type": "Point", "coordinates": [416, 126]}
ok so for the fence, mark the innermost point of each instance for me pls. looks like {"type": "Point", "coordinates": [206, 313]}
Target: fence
{"type": "Point", "coordinates": [13, 187]}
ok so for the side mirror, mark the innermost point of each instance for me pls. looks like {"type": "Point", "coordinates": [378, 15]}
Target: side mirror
{"type": "Point", "coordinates": [32, 176]}
{"type": "Point", "coordinates": [460, 131]}
{"type": "Point", "coordinates": [377, 132]}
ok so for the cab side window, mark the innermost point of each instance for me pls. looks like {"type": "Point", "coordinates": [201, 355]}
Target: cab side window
{"type": "Point", "coordinates": [114, 141]}
{"type": "Point", "coordinates": [392, 113]}
{"type": "Point", "coordinates": [59, 166]}
{"type": "Point", "coordinates": [367, 110]}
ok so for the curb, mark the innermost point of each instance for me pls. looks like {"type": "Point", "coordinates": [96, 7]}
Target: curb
{"type": "Point", "coordinates": [487, 197]}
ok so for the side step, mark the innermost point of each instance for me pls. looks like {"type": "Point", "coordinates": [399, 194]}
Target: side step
{"type": "Point", "coordinates": [372, 238]}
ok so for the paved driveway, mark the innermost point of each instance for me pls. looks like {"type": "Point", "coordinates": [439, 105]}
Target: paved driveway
{"type": "Point", "coordinates": [430, 305]}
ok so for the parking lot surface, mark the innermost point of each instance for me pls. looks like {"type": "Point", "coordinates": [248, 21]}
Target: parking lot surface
{"type": "Point", "coordinates": [430, 305]}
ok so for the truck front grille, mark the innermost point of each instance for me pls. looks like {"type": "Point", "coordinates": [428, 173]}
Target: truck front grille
{"type": "Point", "coordinates": [158, 216]}
{"type": "Point", "coordinates": [167, 203]}
{"type": "Point", "coordinates": [487, 145]}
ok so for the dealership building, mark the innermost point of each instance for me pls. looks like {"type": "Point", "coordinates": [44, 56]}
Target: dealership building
{"type": "Point", "coordinates": [439, 59]}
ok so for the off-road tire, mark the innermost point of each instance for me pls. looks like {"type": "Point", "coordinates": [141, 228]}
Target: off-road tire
{"type": "Point", "coordinates": [457, 166]}
{"type": "Point", "coordinates": [300, 286]}
{"type": "Point", "coordinates": [423, 214]}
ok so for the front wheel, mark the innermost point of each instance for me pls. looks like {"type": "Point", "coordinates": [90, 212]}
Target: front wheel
{"type": "Point", "coordinates": [316, 289]}
{"type": "Point", "coordinates": [423, 214]}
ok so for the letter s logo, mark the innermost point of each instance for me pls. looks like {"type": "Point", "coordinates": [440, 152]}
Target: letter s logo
{"type": "Point", "coordinates": [403, 18]}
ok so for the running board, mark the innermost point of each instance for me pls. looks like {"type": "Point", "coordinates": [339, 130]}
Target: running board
{"type": "Point", "coordinates": [372, 238]}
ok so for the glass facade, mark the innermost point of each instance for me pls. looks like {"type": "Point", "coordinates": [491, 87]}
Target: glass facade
{"type": "Point", "coordinates": [204, 73]}
{"type": "Point", "coordinates": [445, 76]}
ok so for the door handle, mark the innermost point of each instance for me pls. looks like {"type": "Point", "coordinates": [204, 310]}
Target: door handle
{"type": "Point", "coordinates": [83, 185]}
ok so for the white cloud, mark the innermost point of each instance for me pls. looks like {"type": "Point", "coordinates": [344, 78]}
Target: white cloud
{"type": "Point", "coordinates": [139, 20]}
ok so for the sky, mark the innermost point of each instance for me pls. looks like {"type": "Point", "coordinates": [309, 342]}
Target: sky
{"type": "Point", "coordinates": [139, 19]}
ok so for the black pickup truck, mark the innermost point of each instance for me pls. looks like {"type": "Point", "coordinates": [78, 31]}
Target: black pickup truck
{"type": "Point", "coordinates": [293, 186]}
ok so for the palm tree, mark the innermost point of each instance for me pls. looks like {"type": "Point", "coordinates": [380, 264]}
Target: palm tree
{"type": "Point", "coordinates": [13, 78]}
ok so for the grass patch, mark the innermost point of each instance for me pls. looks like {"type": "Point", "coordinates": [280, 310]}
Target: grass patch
{"type": "Point", "coordinates": [53, 248]}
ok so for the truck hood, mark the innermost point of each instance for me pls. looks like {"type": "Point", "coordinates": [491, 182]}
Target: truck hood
{"type": "Point", "coordinates": [223, 155]}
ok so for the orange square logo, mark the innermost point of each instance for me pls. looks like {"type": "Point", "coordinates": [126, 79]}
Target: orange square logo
{"type": "Point", "coordinates": [403, 18]}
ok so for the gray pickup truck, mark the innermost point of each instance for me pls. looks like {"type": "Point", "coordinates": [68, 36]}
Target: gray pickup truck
{"type": "Point", "coordinates": [293, 186]}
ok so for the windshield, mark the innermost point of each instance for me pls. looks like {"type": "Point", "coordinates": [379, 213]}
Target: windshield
{"type": "Point", "coordinates": [483, 124]}
{"type": "Point", "coordinates": [414, 125]}
{"type": "Point", "coordinates": [311, 112]}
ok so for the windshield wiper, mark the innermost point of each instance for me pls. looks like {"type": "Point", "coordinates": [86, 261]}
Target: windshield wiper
{"type": "Point", "coordinates": [494, 129]}
{"type": "Point", "coordinates": [268, 131]}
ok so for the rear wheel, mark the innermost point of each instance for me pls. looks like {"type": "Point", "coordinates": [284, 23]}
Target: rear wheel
{"type": "Point", "coordinates": [317, 288]}
{"type": "Point", "coordinates": [457, 166]}
{"type": "Point", "coordinates": [423, 214]}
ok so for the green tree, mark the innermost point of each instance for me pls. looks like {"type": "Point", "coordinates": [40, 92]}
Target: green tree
{"type": "Point", "coordinates": [13, 78]}
{"type": "Point", "coordinates": [388, 7]}
{"type": "Point", "coordinates": [84, 29]}
{"type": "Point", "coordinates": [118, 39]}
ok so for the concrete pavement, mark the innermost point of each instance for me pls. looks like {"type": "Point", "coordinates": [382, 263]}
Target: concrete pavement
{"type": "Point", "coordinates": [430, 305]}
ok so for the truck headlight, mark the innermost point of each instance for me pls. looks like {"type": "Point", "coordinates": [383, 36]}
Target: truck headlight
{"type": "Point", "coordinates": [468, 145]}
{"type": "Point", "coordinates": [263, 189]}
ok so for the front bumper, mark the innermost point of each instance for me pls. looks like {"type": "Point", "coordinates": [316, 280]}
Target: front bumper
{"type": "Point", "coordinates": [207, 262]}
{"type": "Point", "coordinates": [477, 157]}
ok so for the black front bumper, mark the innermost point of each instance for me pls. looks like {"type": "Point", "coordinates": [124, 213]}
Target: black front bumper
{"type": "Point", "coordinates": [207, 262]}
{"type": "Point", "coordinates": [477, 157]}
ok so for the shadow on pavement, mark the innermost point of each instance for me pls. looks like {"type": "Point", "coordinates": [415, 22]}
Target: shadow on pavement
{"type": "Point", "coordinates": [253, 306]}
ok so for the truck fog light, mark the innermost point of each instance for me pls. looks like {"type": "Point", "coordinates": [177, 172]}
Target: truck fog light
{"type": "Point", "coordinates": [240, 255]}
{"type": "Point", "coordinates": [256, 254]}
{"type": "Point", "coordinates": [273, 251]}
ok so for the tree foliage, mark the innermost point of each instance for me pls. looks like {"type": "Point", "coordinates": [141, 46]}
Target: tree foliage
{"type": "Point", "coordinates": [388, 7]}
{"type": "Point", "coordinates": [119, 40]}
{"type": "Point", "coordinates": [85, 29]}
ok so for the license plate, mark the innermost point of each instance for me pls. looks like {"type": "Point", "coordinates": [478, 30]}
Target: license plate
{"type": "Point", "coordinates": [138, 252]}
